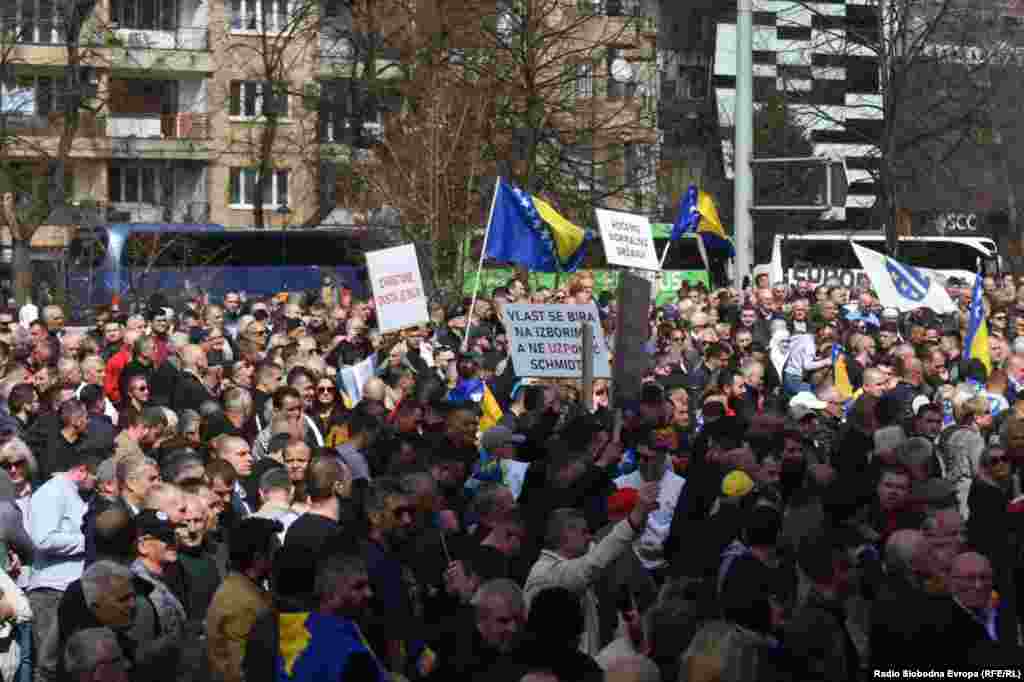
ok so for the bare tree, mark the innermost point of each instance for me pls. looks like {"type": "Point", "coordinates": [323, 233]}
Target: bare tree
{"type": "Point", "coordinates": [273, 43]}
{"type": "Point", "coordinates": [574, 84]}
{"type": "Point", "coordinates": [920, 72]}
{"type": "Point", "coordinates": [40, 120]}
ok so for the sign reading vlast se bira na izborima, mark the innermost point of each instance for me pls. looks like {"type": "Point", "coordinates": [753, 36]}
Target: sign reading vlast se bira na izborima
{"type": "Point", "coordinates": [397, 288]}
{"type": "Point", "coordinates": [627, 240]}
{"type": "Point", "coordinates": [547, 340]}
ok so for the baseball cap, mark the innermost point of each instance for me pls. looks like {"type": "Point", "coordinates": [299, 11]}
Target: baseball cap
{"type": "Point", "coordinates": [919, 402]}
{"type": "Point", "coordinates": [155, 524]}
{"type": "Point", "coordinates": [808, 400]}
{"type": "Point", "coordinates": [622, 501]}
{"type": "Point", "coordinates": [500, 437]}
{"type": "Point", "coordinates": [737, 484]}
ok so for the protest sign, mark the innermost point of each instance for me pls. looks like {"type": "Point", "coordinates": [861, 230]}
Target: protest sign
{"type": "Point", "coordinates": [397, 288]}
{"type": "Point", "coordinates": [546, 340]}
{"type": "Point", "coordinates": [627, 240]}
{"type": "Point", "coordinates": [354, 377]}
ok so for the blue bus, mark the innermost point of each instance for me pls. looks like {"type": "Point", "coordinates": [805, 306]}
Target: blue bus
{"type": "Point", "coordinates": [135, 260]}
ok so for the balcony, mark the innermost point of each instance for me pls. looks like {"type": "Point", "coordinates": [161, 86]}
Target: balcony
{"type": "Point", "coordinates": [183, 135]}
{"type": "Point", "coordinates": [185, 49]}
{"type": "Point", "coordinates": [187, 38]}
{"type": "Point", "coordinates": [189, 212]}
{"type": "Point", "coordinates": [181, 126]}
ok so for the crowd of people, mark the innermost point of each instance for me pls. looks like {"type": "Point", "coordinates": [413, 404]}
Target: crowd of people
{"type": "Point", "coordinates": [807, 486]}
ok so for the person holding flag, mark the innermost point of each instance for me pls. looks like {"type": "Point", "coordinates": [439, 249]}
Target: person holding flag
{"type": "Point", "coordinates": [698, 214]}
{"type": "Point", "coordinates": [976, 340]}
{"type": "Point", "coordinates": [470, 388]}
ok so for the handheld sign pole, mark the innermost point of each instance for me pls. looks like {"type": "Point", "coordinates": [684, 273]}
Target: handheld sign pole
{"type": "Point", "coordinates": [587, 338]}
{"type": "Point", "coordinates": [480, 266]}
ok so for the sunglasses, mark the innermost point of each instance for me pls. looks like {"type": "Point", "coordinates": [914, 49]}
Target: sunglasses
{"type": "Point", "coordinates": [12, 464]}
{"type": "Point", "coordinates": [993, 461]}
{"type": "Point", "coordinates": [325, 389]}
{"type": "Point", "coordinates": [142, 388]}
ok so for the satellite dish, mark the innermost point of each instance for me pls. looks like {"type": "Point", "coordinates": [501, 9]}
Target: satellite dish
{"type": "Point", "coordinates": [622, 71]}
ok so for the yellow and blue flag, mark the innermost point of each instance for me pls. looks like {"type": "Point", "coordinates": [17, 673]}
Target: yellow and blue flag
{"type": "Point", "coordinates": [976, 342]}
{"type": "Point", "coordinates": [699, 213]}
{"type": "Point", "coordinates": [689, 217]}
{"type": "Point", "coordinates": [476, 391]}
{"type": "Point", "coordinates": [841, 372]}
{"type": "Point", "coordinates": [527, 230]}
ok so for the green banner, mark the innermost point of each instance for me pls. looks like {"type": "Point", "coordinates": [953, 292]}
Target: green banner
{"type": "Point", "coordinates": [668, 282]}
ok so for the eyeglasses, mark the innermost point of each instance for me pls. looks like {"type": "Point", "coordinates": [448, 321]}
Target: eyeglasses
{"type": "Point", "coordinates": [325, 389]}
{"type": "Point", "coordinates": [12, 464]}
{"type": "Point", "coordinates": [142, 389]}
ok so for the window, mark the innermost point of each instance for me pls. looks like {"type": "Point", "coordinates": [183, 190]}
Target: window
{"type": "Point", "coordinates": [584, 80]}
{"type": "Point", "coordinates": [35, 21]}
{"type": "Point", "coordinates": [134, 184]}
{"type": "Point", "coordinates": [153, 15]}
{"type": "Point", "coordinates": [257, 15]}
{"type": "Point", "coordinates": [18, 96]}
{"type": "Point", "coordinates": [243, 188]}
{"type": "Point", "coordinates": [27, 95]}
{"type": "Point", "coordinates": [248, 99]}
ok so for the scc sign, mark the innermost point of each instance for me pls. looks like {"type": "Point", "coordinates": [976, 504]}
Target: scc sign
{"type": "Point", "coordinates": [956, 222]}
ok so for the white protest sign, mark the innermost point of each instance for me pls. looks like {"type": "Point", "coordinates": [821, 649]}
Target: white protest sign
{"type": "Point", "coordinates": [354, 377]}
{"type": "Point", "coordinates": [627, 240]}
{"type": "Point", "coordinates": [397, 288]}
{"type": "Point", "coordinates": [546, 341]}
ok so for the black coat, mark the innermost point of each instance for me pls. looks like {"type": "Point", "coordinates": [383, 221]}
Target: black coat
{"type": "Point", "coordinates": [957, 633]}
{"type": "Point", "coordinates": [189, 393]}
{"type": "Point", "coordinates": [902, 625]}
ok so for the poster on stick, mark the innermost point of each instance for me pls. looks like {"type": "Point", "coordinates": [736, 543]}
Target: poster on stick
{"type": "Point", "coordinates": [397, 288]}
{"type": "Point", "coordinates": [547, 340]}
{"type": "Point", "coordinates": [627, 240]}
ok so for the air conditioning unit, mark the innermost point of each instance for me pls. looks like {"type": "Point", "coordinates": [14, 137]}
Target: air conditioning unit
{"type": "Point", "coordinates": [373, 130]}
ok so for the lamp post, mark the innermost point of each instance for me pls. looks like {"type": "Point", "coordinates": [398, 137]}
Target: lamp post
{"type": "Point", "coordinates": [743, 145]}
{"type": "Point", "coordinates": [284, 212]}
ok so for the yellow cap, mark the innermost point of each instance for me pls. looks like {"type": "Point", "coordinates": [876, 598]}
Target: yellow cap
{"type": "Point", "coordinates": [737, 484]}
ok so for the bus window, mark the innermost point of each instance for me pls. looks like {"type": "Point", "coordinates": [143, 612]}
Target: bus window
{"type": "Point", "coordinates": [801, 253]}
{"type": "Point", "coordinates": [940, 255]}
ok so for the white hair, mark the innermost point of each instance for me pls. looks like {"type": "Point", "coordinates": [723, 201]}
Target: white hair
{"type": "Point", "coordinates": [98, 578]}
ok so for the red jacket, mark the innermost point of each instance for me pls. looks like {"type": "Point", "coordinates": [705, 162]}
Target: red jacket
{"type": "Point", "coordinates": [112, 377]}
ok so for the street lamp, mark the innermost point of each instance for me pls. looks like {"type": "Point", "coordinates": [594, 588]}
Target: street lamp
{"type": "Point", "coordinates": [284, 212]}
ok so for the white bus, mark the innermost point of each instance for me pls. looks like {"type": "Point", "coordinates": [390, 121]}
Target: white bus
{"type": "Point", "coordinates": [820, 257]}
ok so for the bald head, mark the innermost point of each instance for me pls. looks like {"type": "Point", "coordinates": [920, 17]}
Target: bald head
{"type": "Point", "coordinates": [374, 389]}
{"type": "Point", "coordinates": [901, 549]}
{"type": "Point", "coordinates": [971, 580]}
{"type": "Point", "coordinates": [193, 357]}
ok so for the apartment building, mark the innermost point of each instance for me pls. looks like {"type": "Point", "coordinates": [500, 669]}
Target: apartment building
{"type": "Point", "coordinates": [179, 92]}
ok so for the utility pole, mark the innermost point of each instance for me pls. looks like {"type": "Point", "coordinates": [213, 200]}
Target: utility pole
{"type": "Point", "coordinates": [743, 145]}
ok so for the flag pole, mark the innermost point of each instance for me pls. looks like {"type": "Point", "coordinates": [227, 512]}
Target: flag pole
{"type": "Point", "coordinates": [664, 252]}
{"type": "Point", "coordinates": [480, 265]}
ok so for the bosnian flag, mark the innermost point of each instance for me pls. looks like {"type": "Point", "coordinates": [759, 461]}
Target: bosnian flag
{"type": "Point", "coordinates": [903, 286]}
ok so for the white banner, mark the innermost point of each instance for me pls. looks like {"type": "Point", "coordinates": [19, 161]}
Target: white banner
{"type": "Point", "coordinates": [627, 240]}
{"type": "Point", "coordinates": [397, 288]}
{"type": "Point", "coordinates": [547, 340]}
{"type": "Point", "coordinates": [354, 377]}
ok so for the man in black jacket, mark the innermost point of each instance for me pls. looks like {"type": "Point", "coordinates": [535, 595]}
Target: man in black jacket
{"type": "Point", "coordinates": [190, 392]}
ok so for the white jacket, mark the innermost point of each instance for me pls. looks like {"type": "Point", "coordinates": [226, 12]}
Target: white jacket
{"type": "Point", "coordinates": [579, 575]}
